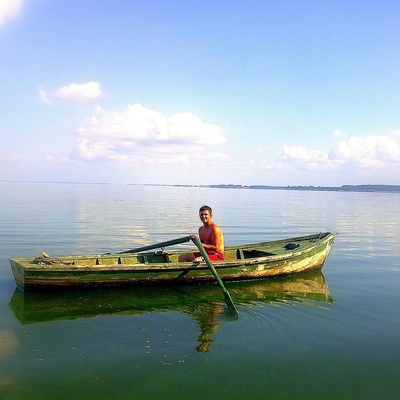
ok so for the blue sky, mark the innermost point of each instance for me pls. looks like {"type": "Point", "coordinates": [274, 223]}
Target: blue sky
{"type": "Point", "coordinates": [289, 92]}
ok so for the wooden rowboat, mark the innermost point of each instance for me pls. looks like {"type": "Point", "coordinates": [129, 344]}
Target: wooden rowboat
{"type": "Point", "coordinates": [139, 267]}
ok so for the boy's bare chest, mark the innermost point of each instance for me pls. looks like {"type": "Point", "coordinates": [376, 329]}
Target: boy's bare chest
{"type": "Point", "coordinates": [206, 234]}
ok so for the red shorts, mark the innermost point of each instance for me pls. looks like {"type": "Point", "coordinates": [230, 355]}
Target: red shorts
{"type": "Point", "coordinates": [212, 255]}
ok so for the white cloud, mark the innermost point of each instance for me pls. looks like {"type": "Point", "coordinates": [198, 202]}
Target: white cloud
{"type": "Point", "coordinates": [368, 149]}
{"type": "Point", "coordinates": [301, 153]}
{"type": "Point", "coordinates": [142, 135]}
{"type": "Point", "coordinates": [73, 92]}
{"type": "Point", "coordinates": [356, 151]}
{"type": "Point", "coordinates": [388, 147]}
{"type": "Point", "coordinates": [309, 159]}
{"type": "Point", "coordinates": [9, 9]}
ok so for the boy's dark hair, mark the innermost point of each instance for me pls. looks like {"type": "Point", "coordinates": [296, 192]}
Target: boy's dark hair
{"type": "Point", "coordinates": [204, 208]}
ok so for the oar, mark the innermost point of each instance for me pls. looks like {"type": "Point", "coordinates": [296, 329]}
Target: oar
{"type": "Point", "coordinates": [228, 299]}
{"type": "Point", "coordinates": [157, 245]}
{"type": "Point", "coordinates": [196, 241]}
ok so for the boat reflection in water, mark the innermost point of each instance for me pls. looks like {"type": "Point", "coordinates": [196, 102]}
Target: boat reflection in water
{"type": "Point", "coordinates": [203, 303]}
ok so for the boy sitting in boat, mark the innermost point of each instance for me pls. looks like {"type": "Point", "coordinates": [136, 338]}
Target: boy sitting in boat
{"type": "Point", "coordinates": [210, 236]}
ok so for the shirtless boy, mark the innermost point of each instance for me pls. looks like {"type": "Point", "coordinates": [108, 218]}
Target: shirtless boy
{"type": "Point", "coordinates": [210, 236]}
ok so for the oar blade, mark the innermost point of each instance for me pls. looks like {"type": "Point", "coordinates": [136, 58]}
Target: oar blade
{"type": "Point", "coordinates": [231, 306]}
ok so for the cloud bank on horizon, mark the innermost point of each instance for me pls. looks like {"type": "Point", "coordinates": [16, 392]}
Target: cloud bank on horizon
{"type": "Point", "coordinates": [108, 136]}
{"type": "Point", "coordinates": [361, 151]}
{"type": "Point", "coordinates": [140, 135]}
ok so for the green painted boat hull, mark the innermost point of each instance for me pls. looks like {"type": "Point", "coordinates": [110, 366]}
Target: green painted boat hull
{"type": "Point", "coordinates": [242, 262]}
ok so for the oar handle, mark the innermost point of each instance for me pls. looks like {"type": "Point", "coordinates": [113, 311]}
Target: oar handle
{"type": "Point", "coordinates": [157, 245]}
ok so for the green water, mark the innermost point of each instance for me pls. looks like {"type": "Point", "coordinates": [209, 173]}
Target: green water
{"type": "Point", "coordinates": [333, 335]}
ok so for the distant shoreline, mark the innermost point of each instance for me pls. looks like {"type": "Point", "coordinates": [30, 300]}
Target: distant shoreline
{"type": "Point", "coordinates": [344, 188]}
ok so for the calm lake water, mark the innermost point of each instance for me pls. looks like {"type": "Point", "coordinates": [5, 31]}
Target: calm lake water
{"type": "Point", "coordinates": [333, 335]}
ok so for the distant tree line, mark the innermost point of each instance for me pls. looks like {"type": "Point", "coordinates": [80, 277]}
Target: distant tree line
{"type": "Point", "coordinates": [344, 188]}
